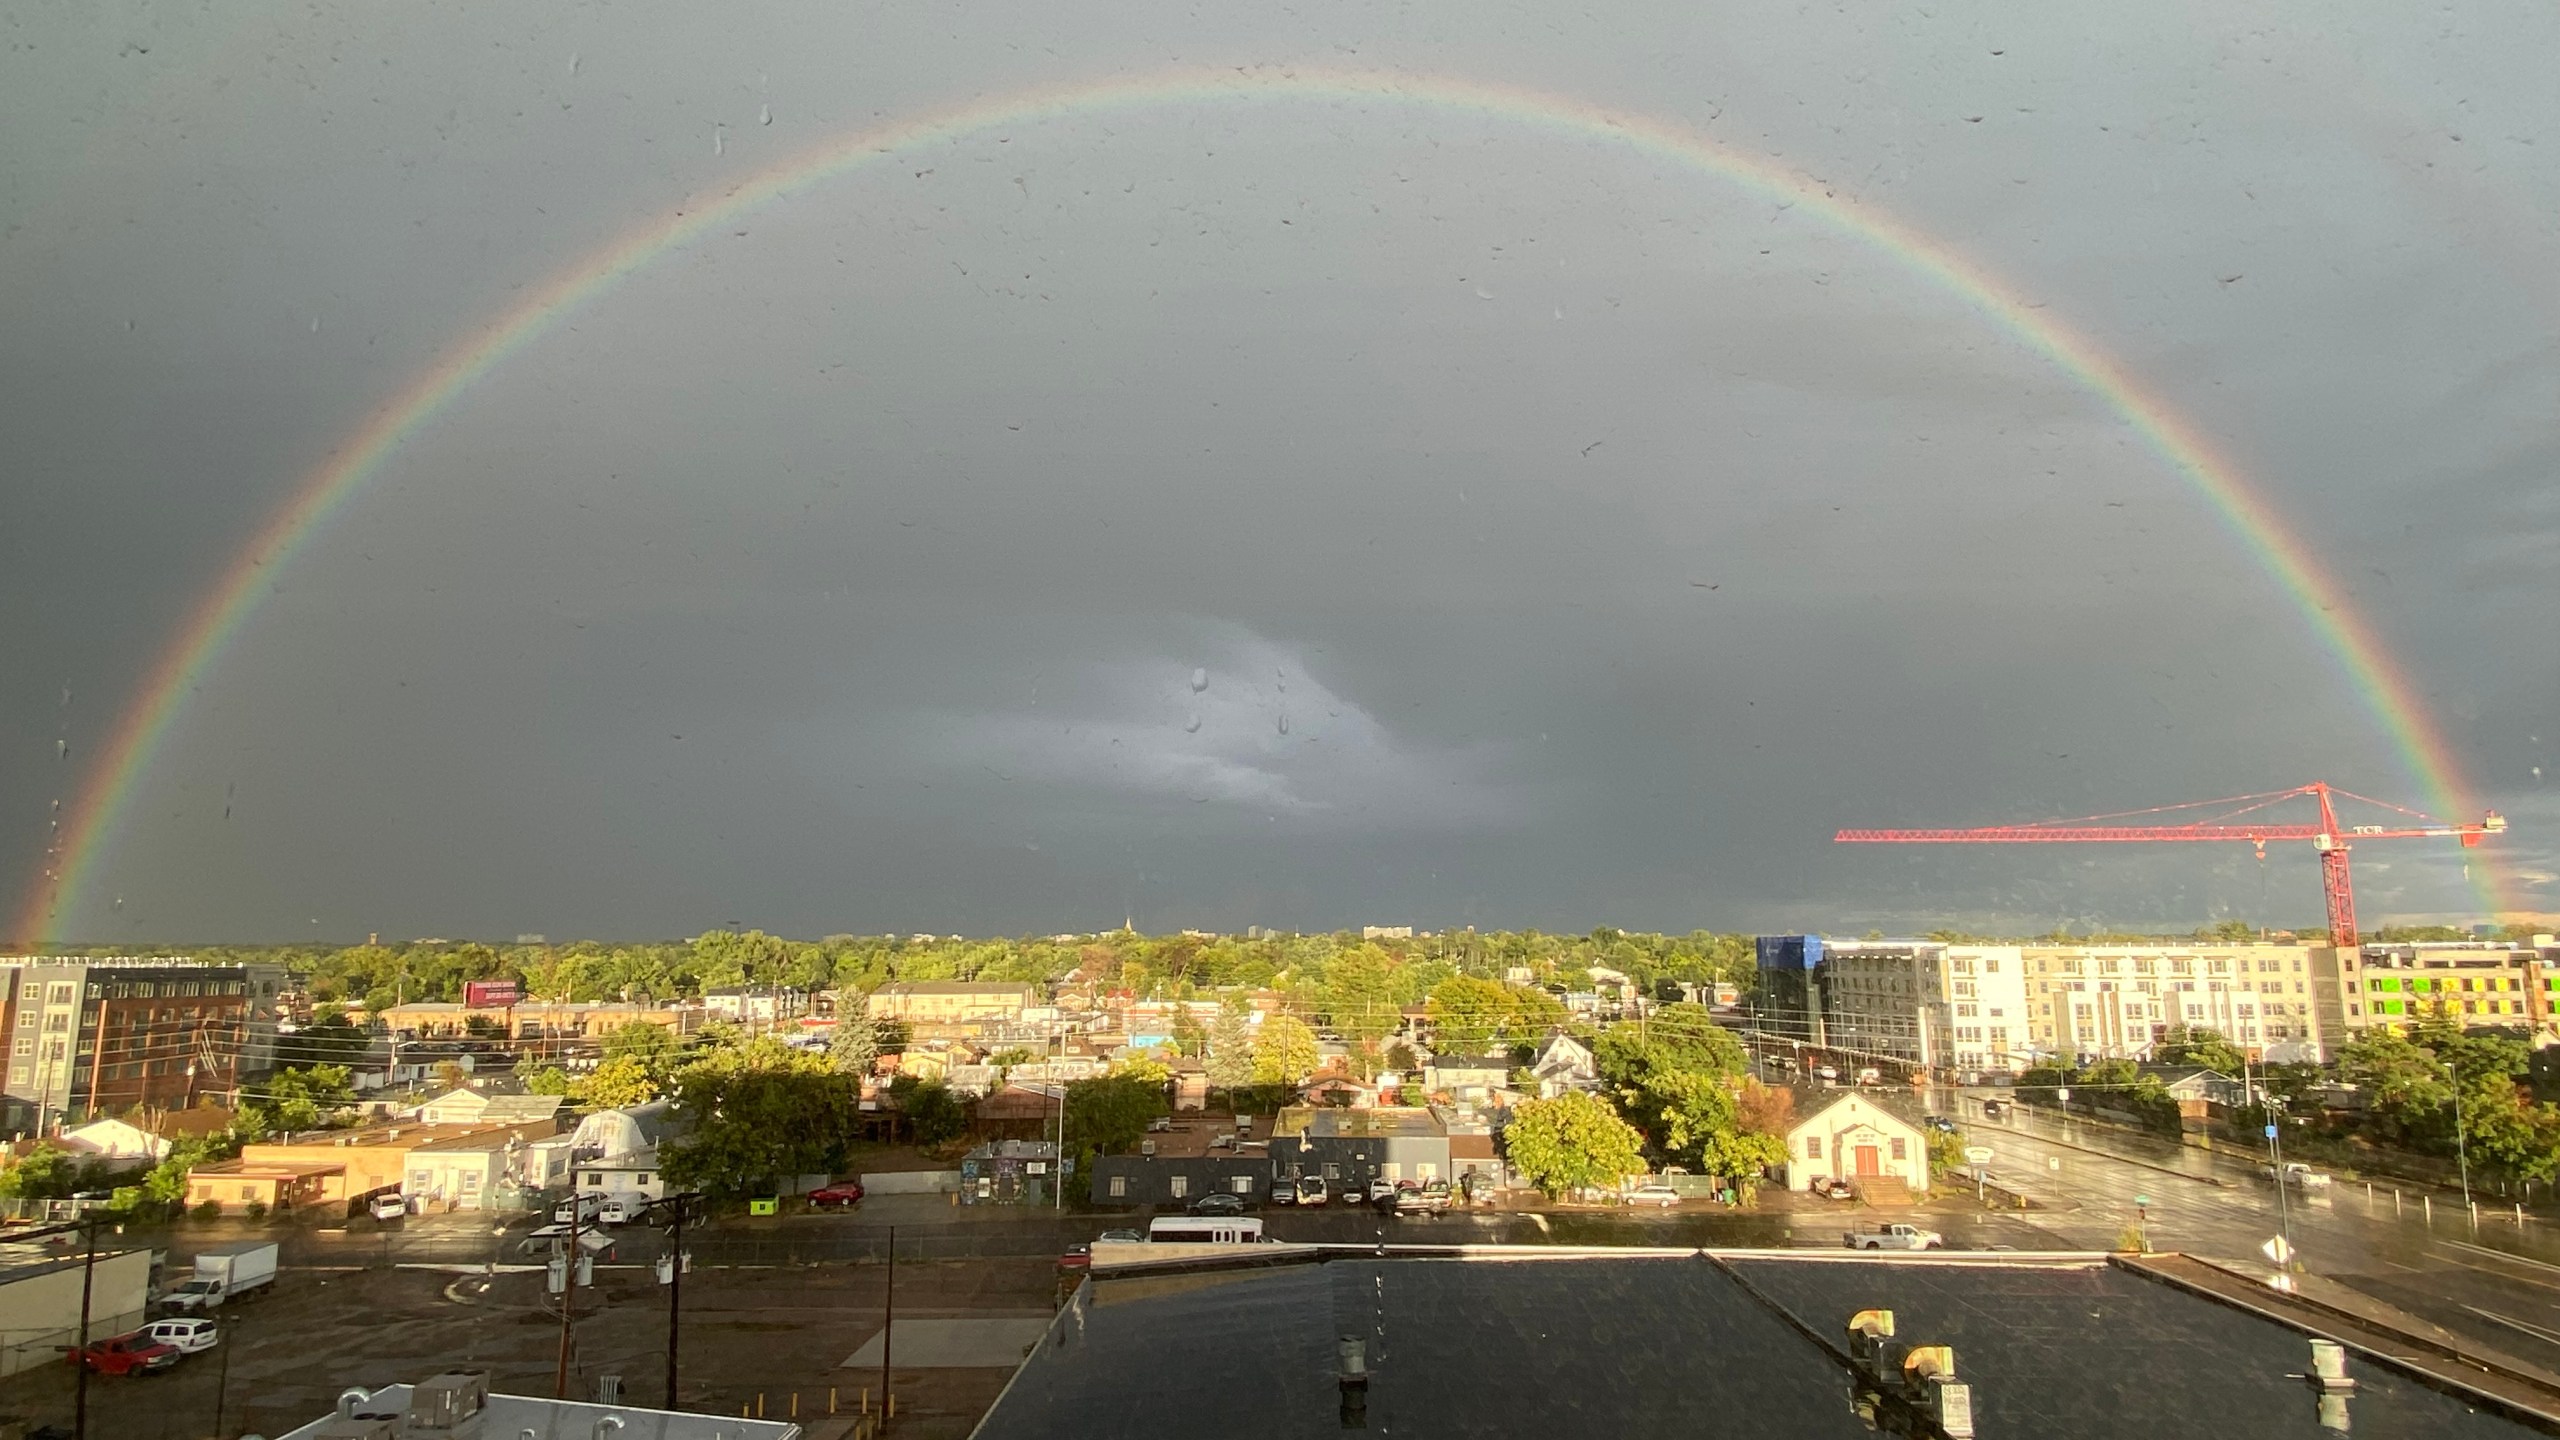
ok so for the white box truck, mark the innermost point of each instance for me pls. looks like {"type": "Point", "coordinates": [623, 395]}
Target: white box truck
{"type": "Point", "coordinates": [225, 1273]}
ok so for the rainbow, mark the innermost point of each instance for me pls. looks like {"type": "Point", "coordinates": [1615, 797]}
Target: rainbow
{"type": "Point", "coordinates": [2386, 693]}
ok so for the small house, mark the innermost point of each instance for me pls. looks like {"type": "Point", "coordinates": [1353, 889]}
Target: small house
{"type": "Point", "coordinates": [1563, 1064]}
{"type": "Point", "coordinates": [1009, 1172]}
{"type": "Point", "coordinates": [1855, 1139]}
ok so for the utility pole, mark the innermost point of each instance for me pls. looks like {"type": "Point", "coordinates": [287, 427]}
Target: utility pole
{"type": "Point", "coordinates": [568, 1289]}
{"type": "Point", "coordinates": [888, 1320]}
{"type": "Point", "coordinates": [675, 1263]}
{"type": "Point", "coordinates": [88, 1272]}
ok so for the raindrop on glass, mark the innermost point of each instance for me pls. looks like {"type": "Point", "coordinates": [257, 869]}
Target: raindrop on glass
{"type": "Point", "coordinates": [315, 324]}
{"type": "Point", "coordinates": [1199, 681]}
{"type": "Point", "coordinates": [1192, 727]}
{"type": "Point", "coordinates": [719, 142]}
{"type": "Point", "coordinates": [61, 749]}
{"type": "Point", "coordinates": [1284, 724]}
{"type": "Point", "coordinates": [573, 62]}
{"type": "Point", "coordinates": [764, 114]}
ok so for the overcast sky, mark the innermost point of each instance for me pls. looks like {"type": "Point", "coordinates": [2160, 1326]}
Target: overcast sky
{"type": "Point", "coordinates": [1287, 512]}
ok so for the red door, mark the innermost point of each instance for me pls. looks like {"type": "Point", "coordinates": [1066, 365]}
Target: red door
{"type": "Point", "coordinates": [1867, 1161]}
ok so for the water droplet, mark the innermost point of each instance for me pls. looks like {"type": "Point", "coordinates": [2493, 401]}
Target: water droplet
{"type": "Point", "coordinates": [1483, 294]}
{"type": "Point", "coordinates": [573, 62]}
{"type": "Point", "coordinates": [119, 902]}
{"type": "Point", "coordinates": [1192, 727]}
{"type": "Point", "coordinates": [61, 749]}
{"type": "Point", "coordinates": [2537, 772]}
{"type": "Point", "coordinates": [315, 324]}
{"type": "Point", "coordinates": [1284, 724]}
{"type": "Point", "coordinates": [719, 142]}
{"type": "Point", "coordinates": [764, 114]}
{"type": "Point", "coordinates": [1199, 681]}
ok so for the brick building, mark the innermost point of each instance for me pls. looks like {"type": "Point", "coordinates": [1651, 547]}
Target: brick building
{"type": "Point", "coordinates": [88, 1037]}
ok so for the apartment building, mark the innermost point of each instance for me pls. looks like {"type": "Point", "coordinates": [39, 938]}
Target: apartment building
{"type": "Point", "coordinates": [953, 1002]}
{"type": "Point", "coordinates": [2282, 1002]}
{"type": "Point", "coordinates": [1956, 1007]}
{"type": "Point", "coordinates": [91, 1036]}
{"type": "Point", "coordinates": [2479, 985]}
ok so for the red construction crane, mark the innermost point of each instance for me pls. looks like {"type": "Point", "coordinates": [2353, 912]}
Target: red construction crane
{"type": "Point", "coordinates": [2232, 819]}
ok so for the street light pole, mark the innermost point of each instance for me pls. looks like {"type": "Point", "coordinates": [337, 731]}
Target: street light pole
{"type": "Point", "coordinates": [675, 1260]}
{"type": "Point", "coordinates": [2461, 1145]}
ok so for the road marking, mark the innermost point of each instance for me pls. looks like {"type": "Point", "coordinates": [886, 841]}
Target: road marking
{"type": "Point", "coordinates": [2506, 1255]}
{"type": "Point", "coordinates": [2500, 1274]}
{"type": "Point", "coordinates": [2536, 1331]}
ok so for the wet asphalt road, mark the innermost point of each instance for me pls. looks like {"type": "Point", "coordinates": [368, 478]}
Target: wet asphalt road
{"type": "Point", "coordinates": [2496, 1281]}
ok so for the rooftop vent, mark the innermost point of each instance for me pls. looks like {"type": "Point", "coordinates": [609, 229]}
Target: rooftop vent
{"type": "Point", "coordinates": [1351, 1376]}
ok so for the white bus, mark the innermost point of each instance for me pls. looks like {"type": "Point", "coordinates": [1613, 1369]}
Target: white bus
{"type": "Point", "coordinates": [1205, 1230]}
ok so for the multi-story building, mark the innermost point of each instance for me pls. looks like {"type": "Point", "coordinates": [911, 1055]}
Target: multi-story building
{"type": "Point", "coordinates": [2117, 1001]}
{"type": "Point", "coordinates": [952, 1002]}
{"type": "Point", "coordinates": [98, 1036]}
{"type": "Point", "coordinates": [1955, 1007]}
{"type": "Point", "coordinates": [2479, 985]}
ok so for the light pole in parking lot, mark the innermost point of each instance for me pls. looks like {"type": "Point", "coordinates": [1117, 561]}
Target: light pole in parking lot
{"type": "Point", "coordinates": [2461, 1144]}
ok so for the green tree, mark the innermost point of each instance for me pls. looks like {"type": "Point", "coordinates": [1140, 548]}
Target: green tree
{"type": "Point", "coordinates": [547, 1080]}
{"type": "Point", "coordinates": [1573, 1142]}
{"type": "Point", "coordinates": [1285, 1053]}
{"type": "Point", "coordinates": [619, 1083]}
{"type": "Point", "coordinates": [1742, 1157]}
{"type": "Point", "coordinates": [1687, 1037]}
{"type": "Point", "coordinates": [1230, 1051]}
{"type": "Point", "coordinates": [44, 1173]}
{"type": "Point", "coordinates": [856, 1043]}
{"type": "Point", "coordinates": [933, 1113]}
{"type": "Point", "coordinates": [2196, 1046]}
{"type": "Point", "coordinates": [650, 1044]}
{"type": "Point", "coordinates": [1190, 1037]}
{"type": "Point", "coordinates": [1467, 1011]}
{"type": "Point", "coordinates": [1111, 1112]}
{"type": "Point", "coordinates": [762, 1110]}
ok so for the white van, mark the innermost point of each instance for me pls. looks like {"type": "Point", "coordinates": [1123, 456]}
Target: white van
{"type": "Point", "coordinates": [585, 1207]}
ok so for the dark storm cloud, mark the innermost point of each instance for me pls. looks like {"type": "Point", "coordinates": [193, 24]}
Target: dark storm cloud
{"type": "Point", "coordinates": [1605, 534]}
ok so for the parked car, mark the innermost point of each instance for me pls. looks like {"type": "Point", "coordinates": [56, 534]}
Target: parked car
{"type": "Point", "coordinates": [1119, 1237]}
{"type": "Point", "coordinates": [1284, 1193]}
{"type": "Point", "coordinates": [1835, 1189]}
{"type": "Point", "coordinates": [1869, 1075]}
{"type": "Point", "coordinates": [188, 1336]}
{"type": "Point", "coordinates": [1431, 1198]}
{"type": "Point", "coordinates": [1076, 1257]}
{"type": "Point", "coordinates": [1159, 1125]}
{"type": "Point", "coordinates": [842, 1193]}
{"type": "Point", "coordinates": [1994, 1109]}
{"type": "Point", "coordinates": [1382, 1189]}
{"type": "Point", "coordinates": [390, 1207]}
{"type": "Point", "coordinates": [1941, 1124]}
{"type": "Point", "coordinates": [134, 1354]}
{"type": "Point", "coordinates": [1827, 1072]}
{"type": "Point", "coordinates": [1894, 1237]}
{"type": "Point", "coordinates": [1218, 1202]}
{"type": "Point", "coordinates": [1311, 1190]}
{"type": "Point", "coordinates": [1657, 1194]}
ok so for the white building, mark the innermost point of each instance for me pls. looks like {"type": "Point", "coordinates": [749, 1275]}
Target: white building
{"type": "Point", "coordinates": [1955, 1007]}
{"type": "Point", "coordinates": [2116, 1001]}
{"type": "Point", "coordinates": [1855, 1139]}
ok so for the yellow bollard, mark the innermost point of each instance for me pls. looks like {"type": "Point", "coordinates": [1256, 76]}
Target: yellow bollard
{"type": "Point", "coordinates": [889, 1408]}
{"type": "Point", "coordinates": [831, 1399]}
{"type": "Point", "coordinates": [866, 1401]}
{"type": "Point", "coordinates": [795, 1404]}
{"type": "Point", "coordinates": [759, 1404]}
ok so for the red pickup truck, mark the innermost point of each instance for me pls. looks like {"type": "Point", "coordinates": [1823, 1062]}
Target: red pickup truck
{"type": "Point", "coordinates": [134, 1354]}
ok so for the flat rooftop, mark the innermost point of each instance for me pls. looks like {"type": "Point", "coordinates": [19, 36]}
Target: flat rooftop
{"type": "Point", "coordinates": [1518, 1342]}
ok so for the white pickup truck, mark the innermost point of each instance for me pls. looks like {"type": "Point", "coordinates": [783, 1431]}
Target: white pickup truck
{"type": "Point", "coordinates": [2296, 1174]}
{"type": "Point", "coordinates": [1894, 1237]}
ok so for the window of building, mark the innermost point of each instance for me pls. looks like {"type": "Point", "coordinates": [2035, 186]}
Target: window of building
{"type": "Point", "coordinates": [1990, 967]}
{"type": "Point", "coordinates": [1899, 1152]}
{"type": "Point", "coordinates": [1241, 1184]}
{"type": "Point", "coordinates": [1178, 1186]}
{"type": "Point", "coordinates": [1813, 1147]}
{"type": "Point", "coordinates": [1119, 1186]}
